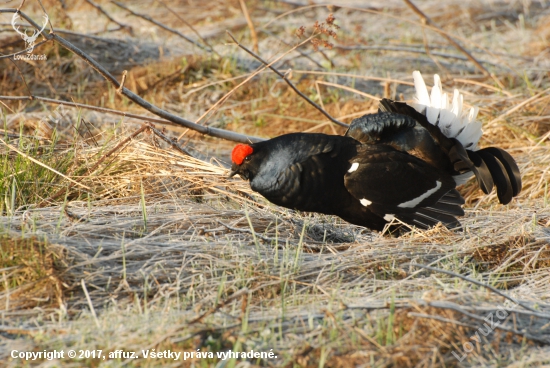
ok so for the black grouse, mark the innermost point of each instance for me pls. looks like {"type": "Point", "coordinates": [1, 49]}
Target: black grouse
{"type": "Point", "coordinates": [401, 163]}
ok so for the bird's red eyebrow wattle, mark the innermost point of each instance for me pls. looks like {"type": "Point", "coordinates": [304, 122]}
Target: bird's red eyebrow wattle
{"type": "Point", "coordinates": [240, 152]}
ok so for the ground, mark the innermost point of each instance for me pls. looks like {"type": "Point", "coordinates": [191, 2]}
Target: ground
{"type": "Point", "coordinates": [115, 241]}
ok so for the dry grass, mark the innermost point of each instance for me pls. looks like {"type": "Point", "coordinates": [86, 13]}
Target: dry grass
{"type": "Point", "coordinates": [156, 250]}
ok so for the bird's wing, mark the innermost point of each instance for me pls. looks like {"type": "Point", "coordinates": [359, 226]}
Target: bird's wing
{"type": "Point", "coordinates": [394, 184]}
{"type": "Point", "coordinates": [372, 128]}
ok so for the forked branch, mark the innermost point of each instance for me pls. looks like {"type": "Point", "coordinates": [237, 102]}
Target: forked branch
{"type": "Point", "coordinates": [214, 132]}
{"type": "Point", "coordinates": [294, 88]}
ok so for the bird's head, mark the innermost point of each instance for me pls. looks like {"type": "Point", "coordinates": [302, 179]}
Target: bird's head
{"type": "Point", "coordinates": [241, 157]}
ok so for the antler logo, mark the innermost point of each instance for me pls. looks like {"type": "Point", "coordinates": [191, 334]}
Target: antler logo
{"type": "Point", "coordinates": [29, 40]}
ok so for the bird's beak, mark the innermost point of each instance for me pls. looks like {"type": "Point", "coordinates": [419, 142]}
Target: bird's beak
{"type": "Point", "coordinates": [234, 170]}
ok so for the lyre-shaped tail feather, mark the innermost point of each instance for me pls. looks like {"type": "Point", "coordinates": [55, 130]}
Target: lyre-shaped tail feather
{"type": "Point", "coordinates": [502, 169]}
{"type": "Point", "coordinates": [492, 166]}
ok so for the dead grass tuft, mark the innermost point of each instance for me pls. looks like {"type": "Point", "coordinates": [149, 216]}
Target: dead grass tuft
{"type": "Point", "coordinates": [30, 275]}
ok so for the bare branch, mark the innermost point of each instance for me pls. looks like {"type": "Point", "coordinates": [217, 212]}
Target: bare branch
{"type": "Point", "coordinates": [190, 27]}
{"type": "Point", "coordinates": [88, 107]}
{"type": "Point", "coordinates": [101, 10]}
{"type": "Point", "coordinates": [289, 83]}
{"type": "Point", "coordinates": [427, 20]}
{"type": "Point", "coordinates": [415, 50]}
{"type": "Point", "coordinates": [214, 132]}
{"type": "Point", "coordinates": [174, 31]}
{"type": "Point", "coordinates": [297, 50]}
{"type": "Point", "coordinates": [172, 142]}
{"type": "Point", "coordinates": [22, 78]}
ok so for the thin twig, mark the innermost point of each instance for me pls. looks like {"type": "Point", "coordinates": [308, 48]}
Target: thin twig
{"type": "Point", "coordinates": [22, 78]}
{"type": "Point", "coordinates": [171, 30]}
{"type": "Point", "coordinates": [253, 33]}
{"type": "Point", "coordinates": [429, 53]}
{"type": "Point", "coordinates": [479, 283]}
{"type": "Point", "coordinates": [248, 78]}
{"type": "Point", "coordinates": [190, 27]}
{"type": "Point", "coordinates": [346, 88]}
{"type": "Point", "coordinates": [172, 142]}
{"type": "Point", "coordinates": [294, 88]}
{"type": "Point", "coordinates": [441, 319]}
{"type": "Point", "coordinates": [303, 54]}
{"type": "Point", "coordinates": [430, 22]}
{"type": "Point", "coordinates": [101, 10]}
{"type": "Point", "coordinates": [44, 10]}
{"type": "Point", "coordinates": [413, 50]}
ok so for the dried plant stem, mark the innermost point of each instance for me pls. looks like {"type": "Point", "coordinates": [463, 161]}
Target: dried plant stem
{"type": "Point", "coordinates": [346, 88]}
{"type": "Point", "coordinates": [43, 165]}
{"type": "Point", "coordinates": [520, 105]}
{"type": "Point", "coordinates": [119, 89]}
{"type": "Point", "coordinates": [294, 88]}
{"type": "Point", "coordinates": [90, 304]}
{"type": "Point", "coordinates": [253, 33]}
{"type": "Point", "coordinates": [92, 169]}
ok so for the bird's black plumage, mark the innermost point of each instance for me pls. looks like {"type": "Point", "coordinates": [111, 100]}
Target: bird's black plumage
{"type": "Point", "coordinates": [391, 165]}
{"type": "Point", "coordinates": [364, 184]}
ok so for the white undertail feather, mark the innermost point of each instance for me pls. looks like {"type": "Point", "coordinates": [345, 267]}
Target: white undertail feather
{"type": "Point", "coordinates": [451, 119]}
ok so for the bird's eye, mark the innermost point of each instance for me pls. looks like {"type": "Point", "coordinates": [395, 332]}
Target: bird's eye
{"type": "Point", "coordinates": [247, 158]}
